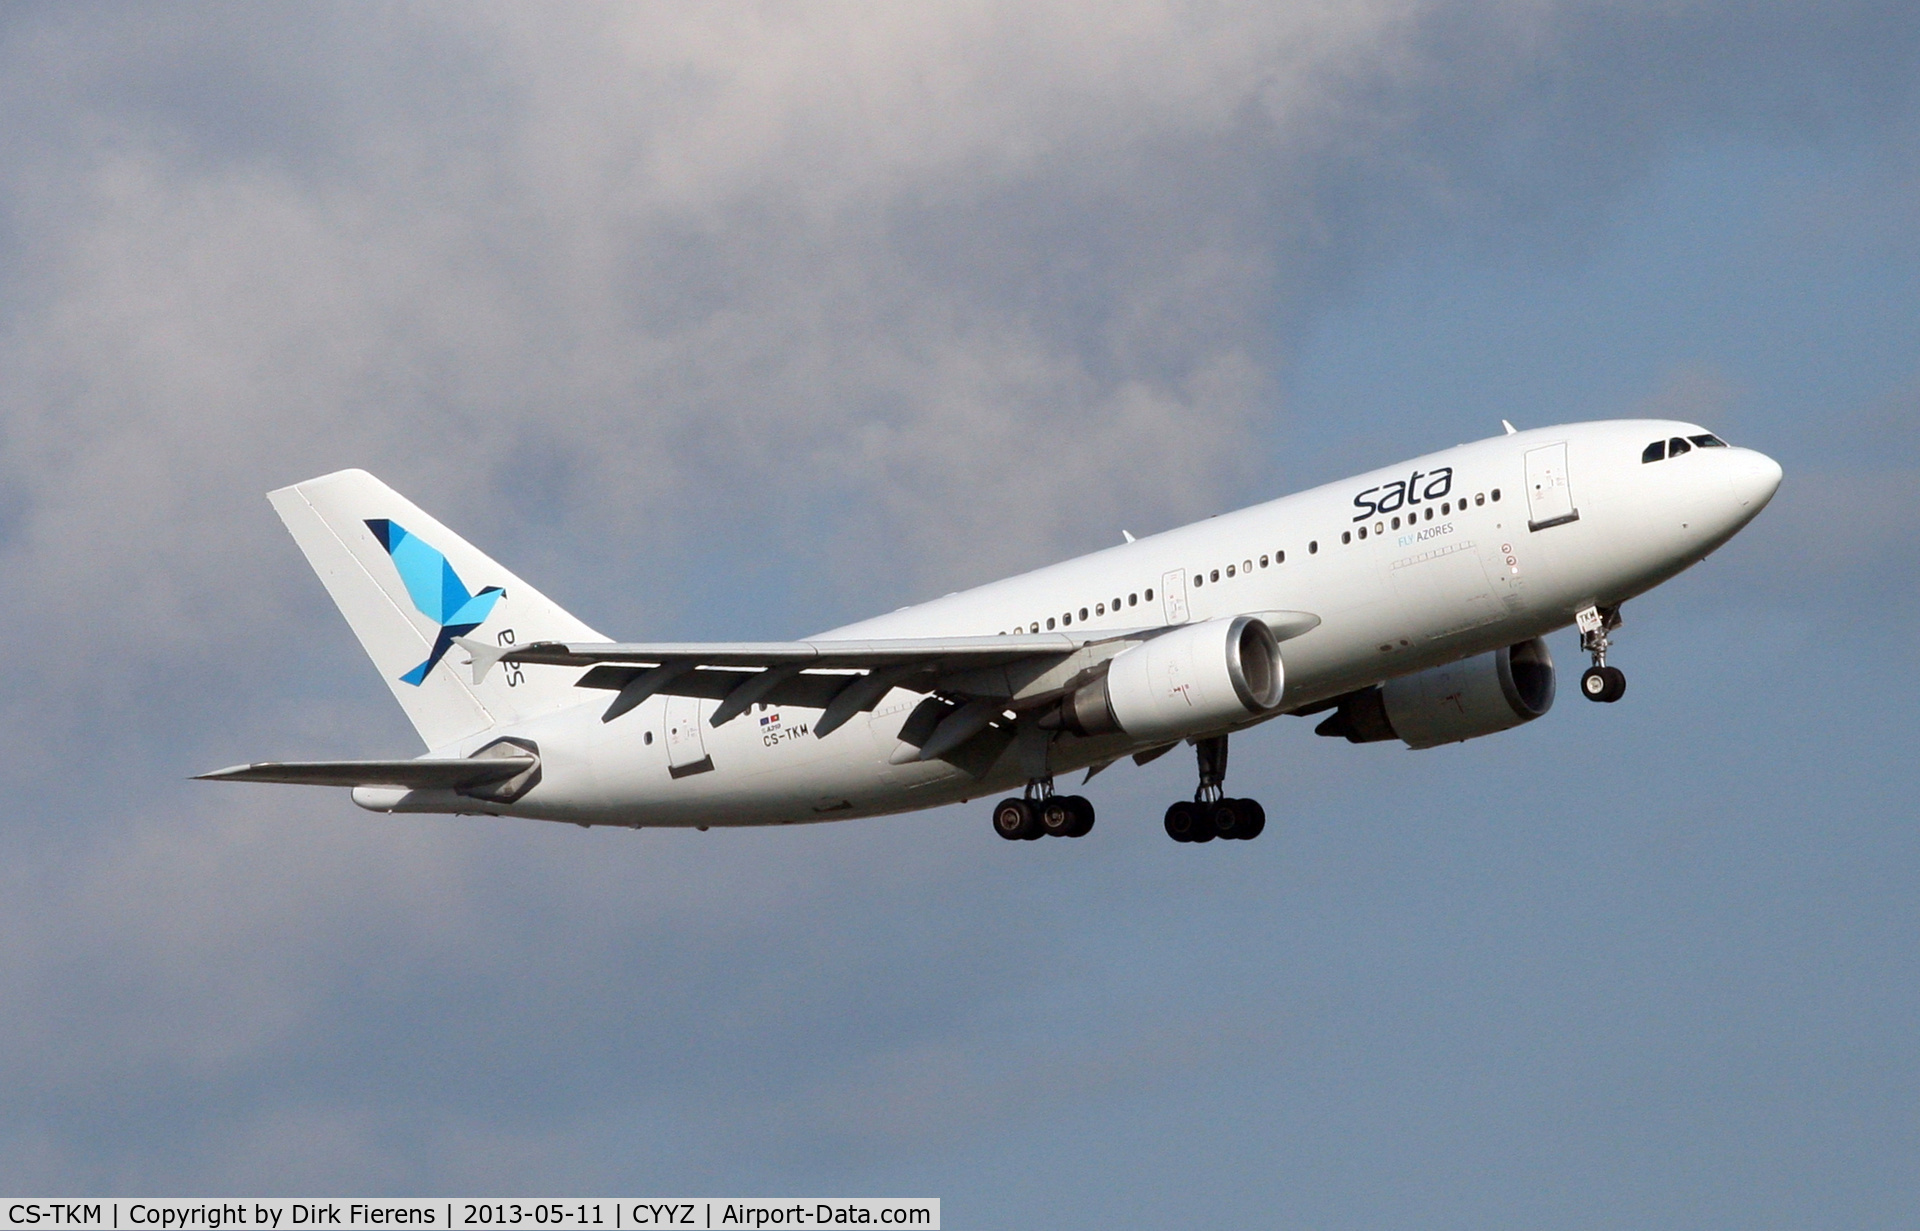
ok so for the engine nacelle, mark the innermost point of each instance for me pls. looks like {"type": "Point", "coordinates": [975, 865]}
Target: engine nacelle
{"type": "Point", "coordinates": [1197, 678]}
{"type": "Point", "coordinates": [1446, 704]}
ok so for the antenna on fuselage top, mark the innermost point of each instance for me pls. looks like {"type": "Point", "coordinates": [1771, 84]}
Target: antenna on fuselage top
{"type": "Point", "coordinates": [1511, 430]}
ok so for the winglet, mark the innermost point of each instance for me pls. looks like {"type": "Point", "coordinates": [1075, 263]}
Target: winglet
{"type": "Point", "coordinates": [1511, 430]}
{"type": "Point", "coordinates": [1126, 536]}
{"type": "Point", "coordinates": [484, 655]}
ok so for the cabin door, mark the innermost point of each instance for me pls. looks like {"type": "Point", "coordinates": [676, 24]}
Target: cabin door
{"type": "Point", "coordinates": [1549, 494]}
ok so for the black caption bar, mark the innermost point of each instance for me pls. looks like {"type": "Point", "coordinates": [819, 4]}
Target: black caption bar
{"type": "Point", "coordinates": [441, 1214]}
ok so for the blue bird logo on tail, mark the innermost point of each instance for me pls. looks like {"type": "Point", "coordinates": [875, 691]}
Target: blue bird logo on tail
{"type": "Point", "coordinates": [435, 589]}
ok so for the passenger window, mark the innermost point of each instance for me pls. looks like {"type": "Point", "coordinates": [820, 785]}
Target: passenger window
{"type": "Point", "coordinates": [1313, 548]}
{"type": "Point", "coordinates": [1677, 446]}
{"type": "Point", "coordinates": [1496, 495]}
{"type": "Point", "coordinates": [1429, 512]}
{"type": "Point", "coordinates": [1049, 623]}
{"type": "Point", "coordinates": [1363, 532]}
{"type": "Point", "coordinates": [1396, 523]}
{"type": "Point", "coordinates": [1446, 510]}
{"type": "Point", "coordinates": [1709, 441]}
{"type": "Point", "coordinates": [1067, 618]}
{"type": "Point", "coordinates": [1655, 452]}
{"type": "Point", "coordinates": [1246, 566]}
{"type": "Point", "coordinates": [1478, 499]}
{"type": "Point", "coordinates": [1036, 625]}
{"type": "Point", "coordinates": [1263, 562]}
{"type": "Point", "coordinates": [1279, 557]}
{"type": "Point", "coordinates": [1130, 599]}
{"type": "Point", "coordinates": [1346, 536]}
{"type": "Point", "coordinates": [1116, 605]}
{"type": "Point", "coordinates": [1199, 579]}
{"type": "Point", "coordinates": [1148, 595]}
{"type": "Point", "coordinates": [1379, 527]}
{"type": "Point", "coordinates": [1229, 570]}
{"type": "Point", "coordinates": [1099, 609]}
{"type": "Point", "coordinates": [1214, 575]}
{"type": "Point", "coordinates": [1083, 615]}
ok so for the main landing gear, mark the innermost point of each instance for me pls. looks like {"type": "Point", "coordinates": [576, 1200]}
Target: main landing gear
{"type": "Point", "coordinates": [1042, 814]}
{"type": "Point", "coordinates": [1211, 814]}
{"type": "Point", "coordinates": [1600, 682]}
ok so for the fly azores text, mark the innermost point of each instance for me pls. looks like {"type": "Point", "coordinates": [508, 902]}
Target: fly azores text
{"type": "Point", "coordinates": [1420, 487]}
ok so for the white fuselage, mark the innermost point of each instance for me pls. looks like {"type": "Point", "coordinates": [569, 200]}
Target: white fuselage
{"type": "Point", "coordinates": [1460, 573]}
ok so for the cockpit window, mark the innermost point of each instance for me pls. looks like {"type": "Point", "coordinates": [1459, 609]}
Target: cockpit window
{"type": "Point", "coordinates": [1655, 452]}
{"type": "Point", "coordinates": [1677, 446]}
{"type": "Point", "coordinates": [1708, 441]}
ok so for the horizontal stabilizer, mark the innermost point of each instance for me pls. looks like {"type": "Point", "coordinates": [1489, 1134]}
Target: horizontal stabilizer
{"type": "Point", "coordinates": [444, 774]}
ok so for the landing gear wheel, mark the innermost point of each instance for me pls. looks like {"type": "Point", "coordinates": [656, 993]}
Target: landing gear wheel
{"type": "Point", "coordinates": [1230, 817]}
{"type": "Point", "coordinates": [1057, 816]}
{"type": "Point", "coordinates": [1187, 821]}
{"type": "Point", "coordinates": [1607, 684]}
{"type": "Point", "coordinates": [1241, 819]}
{"type": "Point", "coordinates": [1082, 816]}
{"type": "Point", "coordinates": [1016, 820]}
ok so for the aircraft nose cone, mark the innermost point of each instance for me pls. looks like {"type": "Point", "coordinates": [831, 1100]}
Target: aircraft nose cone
{"type": "Point", "coordinates": [1755, 478]}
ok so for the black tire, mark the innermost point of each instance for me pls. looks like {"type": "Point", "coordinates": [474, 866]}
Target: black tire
{"type": "Point", "coordinates": [1616, 684]}
{"type": "Point", "coordinates": [1057, 816]}
{"type": "Point", "coordinates": [1082, 816]}
{"type": "Point", "coordinates": [1015, 820]}
{"type": "Point", "coordinates": [1229, 819]}
{"type": "Point", "coordinates": [1594, 683]}
{"type": "Point", "coordinates": [1256, 822]}
{"type": "Point", "coordinates": [1184, 819]}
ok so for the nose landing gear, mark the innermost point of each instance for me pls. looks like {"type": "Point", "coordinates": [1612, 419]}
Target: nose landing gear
{"type": "Point", "coordinates": [1600, 682]}
{"type": "Point", "coordinates": [1211, 814]}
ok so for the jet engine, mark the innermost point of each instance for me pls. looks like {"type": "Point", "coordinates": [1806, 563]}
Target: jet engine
{"type": "Point", "coordinates": [1195, 679]}
{"type": "Point", "coordinates": [1446, 704]}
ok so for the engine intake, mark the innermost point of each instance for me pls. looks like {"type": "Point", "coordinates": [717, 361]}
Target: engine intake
{"type": "Point", "coordinates": [1458, 701]}
{"type": "Point", "coordinates": [1194, 679]}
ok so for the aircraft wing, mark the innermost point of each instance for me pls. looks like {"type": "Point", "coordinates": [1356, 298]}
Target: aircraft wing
{"type": "Point", "coordinates": [841, 678]}
{"type": "Point", "coordinates": [984, 676]}
{"type": "Point", "coordinates": [426, 774]}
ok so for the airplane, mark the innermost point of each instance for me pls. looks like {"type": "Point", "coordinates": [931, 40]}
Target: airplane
{"type": "Point", "coordinates": [1405, 604]}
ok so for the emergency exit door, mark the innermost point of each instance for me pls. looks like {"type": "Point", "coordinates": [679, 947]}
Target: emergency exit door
{"type": "Point", "coordinates": [1549, 493]}
{"type": "Point", "coordinates": [686, 743]}
{"type": "Point", "coordinates": [1173, 594]}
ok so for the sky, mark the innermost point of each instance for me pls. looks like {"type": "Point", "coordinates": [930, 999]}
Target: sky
{"type": "Point", "coordinates": [746, 321]}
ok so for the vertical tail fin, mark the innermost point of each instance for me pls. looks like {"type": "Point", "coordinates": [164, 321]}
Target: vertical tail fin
{"type": "Point", "coordinates": [408, 586]}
